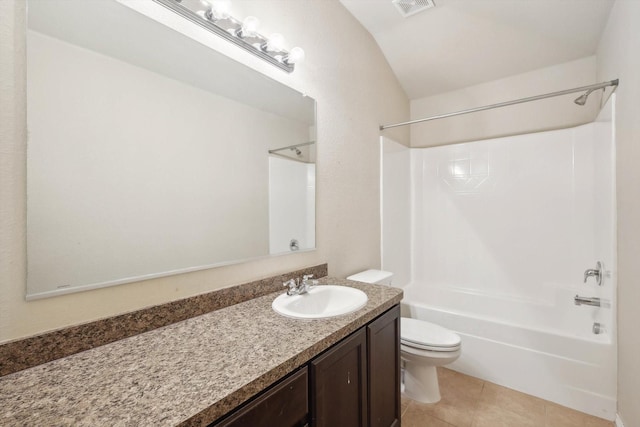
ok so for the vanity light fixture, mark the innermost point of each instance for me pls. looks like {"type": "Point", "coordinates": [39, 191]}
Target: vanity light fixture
{"type": "Point", "coordinates": [214, 15]}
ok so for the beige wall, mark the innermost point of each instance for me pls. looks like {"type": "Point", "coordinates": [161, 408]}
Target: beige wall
{"type": "Point", "coordinates": [552, 113]}
{"type": "Point", "coordinates": [355, 90]}
{"type": "Point", "coordinates": [619, 57]}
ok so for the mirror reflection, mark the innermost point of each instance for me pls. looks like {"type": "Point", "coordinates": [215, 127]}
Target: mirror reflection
{"type": "Point", "coordinates": [150, 154]}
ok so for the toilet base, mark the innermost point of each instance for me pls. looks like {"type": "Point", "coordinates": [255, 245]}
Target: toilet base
{"type": "Point", "coordinates": [421, 383]}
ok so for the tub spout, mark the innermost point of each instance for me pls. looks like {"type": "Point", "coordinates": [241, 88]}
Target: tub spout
{"type": "Point", "coordinates": [594, 301]}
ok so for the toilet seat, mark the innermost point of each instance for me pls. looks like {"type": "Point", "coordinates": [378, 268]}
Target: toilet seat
{"type": "Point", "coordinates": [429, 348]}
{"type": "Point", "coordinates": [423, 335]}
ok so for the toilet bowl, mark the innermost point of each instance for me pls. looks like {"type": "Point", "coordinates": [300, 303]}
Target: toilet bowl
{"type": "Point", "coordinates": [423, 347]}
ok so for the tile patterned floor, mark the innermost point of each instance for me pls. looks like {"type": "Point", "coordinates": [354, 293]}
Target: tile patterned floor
{"type": "Point", "coordinates": [471, 402]}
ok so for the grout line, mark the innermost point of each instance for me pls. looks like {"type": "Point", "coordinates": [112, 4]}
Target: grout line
{"type": "Point", "coordinates": [405, 408]}
{"type": "Point", "coordinates": [476, 408]}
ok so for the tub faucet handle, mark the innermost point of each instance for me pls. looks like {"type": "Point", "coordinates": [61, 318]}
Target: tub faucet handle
{"type": "Point", "coordinates": [591, 272]}
{"type": "Point", "coordinates": [597, 272]}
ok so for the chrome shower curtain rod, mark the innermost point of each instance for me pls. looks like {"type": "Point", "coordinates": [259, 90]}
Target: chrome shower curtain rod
{"type": "Point", "coordinates": [504, 104]}
{"type": "Point", "coordinates": [291, 146]}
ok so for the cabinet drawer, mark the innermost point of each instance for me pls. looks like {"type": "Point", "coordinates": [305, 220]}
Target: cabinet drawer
{"type": "Point", "coordinates": [285, 405]}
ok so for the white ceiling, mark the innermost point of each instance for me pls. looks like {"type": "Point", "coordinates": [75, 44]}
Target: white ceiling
{"type": "Point", "coordinates": [460, 43]}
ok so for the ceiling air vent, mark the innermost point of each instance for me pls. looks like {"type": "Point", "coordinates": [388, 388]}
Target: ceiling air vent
{"type": "Point", "coordinates": [411, 7]}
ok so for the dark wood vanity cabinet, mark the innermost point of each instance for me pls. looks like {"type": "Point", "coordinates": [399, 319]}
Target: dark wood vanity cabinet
{"type": "Point", "coordinates": [355, 383]}
{"type": "Point", "coordinates": [339, 384]}
{"type": "Point", "coordinates": [383, 369]}
{"type": "Point", "coordinates": [285, 405]}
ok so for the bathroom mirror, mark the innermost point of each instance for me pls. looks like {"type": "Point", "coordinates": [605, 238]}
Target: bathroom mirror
{"type": "Point", "coordinates": [150, 154]}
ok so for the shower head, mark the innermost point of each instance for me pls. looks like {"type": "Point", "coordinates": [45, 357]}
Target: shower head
{"type": "Point", "coordinates": [582, 99]}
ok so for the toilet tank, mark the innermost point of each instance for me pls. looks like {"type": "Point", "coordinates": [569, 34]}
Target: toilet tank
{"type": "Point", "coordinates": [373, 276]}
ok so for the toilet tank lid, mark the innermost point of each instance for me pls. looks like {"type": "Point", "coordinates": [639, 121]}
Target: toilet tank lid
{"type": "Point", "coordinates": [371, 276]}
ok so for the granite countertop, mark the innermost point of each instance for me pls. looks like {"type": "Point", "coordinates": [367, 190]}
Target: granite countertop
{"type": "Point", "coordinates": [188, 373]}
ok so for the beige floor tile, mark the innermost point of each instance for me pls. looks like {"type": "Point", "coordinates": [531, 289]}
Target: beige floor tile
{"type": "Point", "coordinates": [460, 395]}
{"type": "Point", "coordinates": [471, 402]}
{"type": "Point", "coordinates": [458, 413]}
{"type": "Point", "coordinates": [449, 378]}
{"type": "Point", "coordinates": [404, 404]}
{"type": "Point", "coordinates": [518, 403]}
{"type": "Point", "coordinates": [597, 422]}
{"type": "Point", "coordinates": [455, 386]}
{"type": "Point", "coordinates": [416, 416]}
{"type": "Point", "coordinates": [560, 416]}
{"type": "Point", "coordinates": [496, 416]}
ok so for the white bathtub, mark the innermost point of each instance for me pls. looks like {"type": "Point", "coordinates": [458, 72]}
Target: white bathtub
{"type": "Point", "coordinates": [558, 358]}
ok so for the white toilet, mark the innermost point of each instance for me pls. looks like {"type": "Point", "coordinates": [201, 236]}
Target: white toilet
{"type": "Point", "coordinates": [423, 346]}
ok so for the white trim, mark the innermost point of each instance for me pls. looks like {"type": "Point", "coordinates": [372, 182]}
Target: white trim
{"type": "Point", "coordinates": [381, 207]}
{"type": "Point", "coordinates": [619, 421]}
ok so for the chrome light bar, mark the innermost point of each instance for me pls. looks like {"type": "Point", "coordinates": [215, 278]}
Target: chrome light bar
{"type": "Point", "coordinates": [214, 16]}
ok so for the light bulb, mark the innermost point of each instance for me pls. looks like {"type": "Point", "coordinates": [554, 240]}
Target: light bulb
{"type": "Point", "coordinates": [216, 9]}
{"type": "Point", "coordinates": [275, 43]}
{"type": "Point", "coordinates": [220, 9]}
{"type": "Point", "coordinates": [249, 27]}
{"type": "Point", "coordinates": [295, 56]}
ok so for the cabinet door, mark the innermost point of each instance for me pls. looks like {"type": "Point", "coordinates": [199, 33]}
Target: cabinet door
{"type": "Point", "coordinates": [284, 405]}
{"type": "Point", "coordinates": [339, 384]}
{"type": "Point", "coordinates": [383, 349]}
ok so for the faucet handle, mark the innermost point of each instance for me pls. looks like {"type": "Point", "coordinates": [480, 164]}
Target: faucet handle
{"type": "Point", "coordinates": [293, 286]}
{"type": "Point", "coordinates": [589, 273]}
{"type": "Point", "coordinates": [597, 272]}
{"type": "Point", "coordinates": [307, 282]}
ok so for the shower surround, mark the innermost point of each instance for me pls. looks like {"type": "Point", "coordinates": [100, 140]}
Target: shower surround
{"type": "Point", "coordinates": [500, 233]}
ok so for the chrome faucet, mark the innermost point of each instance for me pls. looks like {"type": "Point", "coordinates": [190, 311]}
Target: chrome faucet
{"type": "Point", "coordinates": [593, 301]}
{"type": "Point", "coordinates": [597, 272]}
{"type": "Point", "coordinates": [297, 286]}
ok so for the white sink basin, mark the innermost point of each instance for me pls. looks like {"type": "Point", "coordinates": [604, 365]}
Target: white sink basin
{"type": "Point", "coordinates": [320, 302]}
